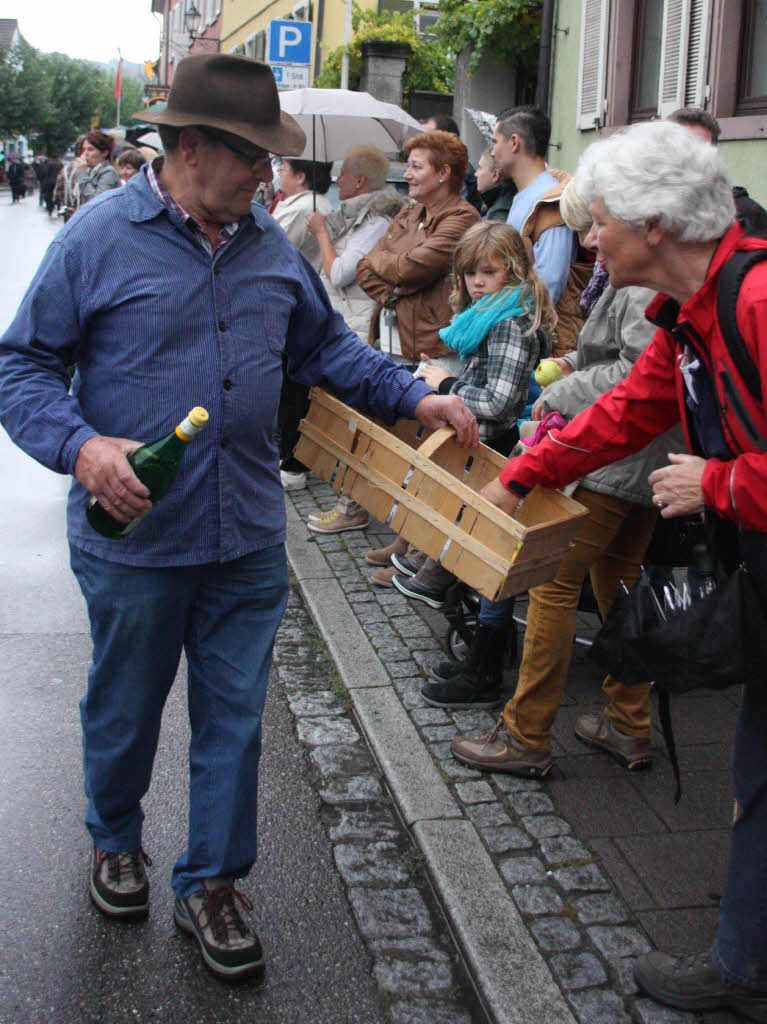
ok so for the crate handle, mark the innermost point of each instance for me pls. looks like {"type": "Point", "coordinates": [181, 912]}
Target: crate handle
{"type": "Point", "coordinates": [428, 447]}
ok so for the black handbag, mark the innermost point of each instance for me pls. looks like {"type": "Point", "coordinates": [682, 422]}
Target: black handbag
{"type": "Point", "coordinates": [719, 641]}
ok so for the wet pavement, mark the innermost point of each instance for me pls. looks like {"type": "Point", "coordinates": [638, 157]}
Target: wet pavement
{"type": "Point", "coordinates": [335, 953]}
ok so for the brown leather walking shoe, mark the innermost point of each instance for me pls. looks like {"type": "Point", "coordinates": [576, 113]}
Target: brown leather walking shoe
{"type": "Point", "coordinates": [694, 983]}
{"type": "Point", "coordinates": [382, 556]}
{"type": "Point", "coordinates": [500, 751]}
{"type": "Point", "coordinates": [632, 752]}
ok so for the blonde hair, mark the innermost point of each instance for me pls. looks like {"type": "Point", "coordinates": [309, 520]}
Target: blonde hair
{"type": "Point", "coordinates": [500, 243]}
{"type": "Point", "coordinates": [489, 158]}
{"type": "Point", "coordinates": [369, 162]}
{"type": "Point", "coordinates": [575, 211]}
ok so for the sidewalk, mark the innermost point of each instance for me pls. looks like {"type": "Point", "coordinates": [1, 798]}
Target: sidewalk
{"type": "Point", "coordinates": [551, 888]}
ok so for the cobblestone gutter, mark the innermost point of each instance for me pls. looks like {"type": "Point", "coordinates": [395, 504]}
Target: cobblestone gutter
{"type": "Point", "coordinates": [544, 937]}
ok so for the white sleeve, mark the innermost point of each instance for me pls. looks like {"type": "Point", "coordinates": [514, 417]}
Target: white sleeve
{"type": "Point", "coordinates": [360, 243]}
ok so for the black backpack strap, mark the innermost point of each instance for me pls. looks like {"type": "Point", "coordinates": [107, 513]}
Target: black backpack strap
{"type": "Point", "coordinates": [730, 280]}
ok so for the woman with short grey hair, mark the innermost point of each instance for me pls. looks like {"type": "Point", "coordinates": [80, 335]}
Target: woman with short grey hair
{"type": "Point", "coordinates": [664, 218]}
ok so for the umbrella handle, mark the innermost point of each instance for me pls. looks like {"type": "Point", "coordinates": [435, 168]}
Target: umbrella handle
{"type": "Point", "coordinates": [314, 152]}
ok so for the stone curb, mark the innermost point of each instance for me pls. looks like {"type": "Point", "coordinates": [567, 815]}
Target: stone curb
{"type": "Point", "coordinates": [512, 978]}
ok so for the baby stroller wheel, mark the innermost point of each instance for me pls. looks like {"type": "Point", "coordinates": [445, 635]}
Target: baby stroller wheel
{"type": "Point", "coordinates": [457, 646]}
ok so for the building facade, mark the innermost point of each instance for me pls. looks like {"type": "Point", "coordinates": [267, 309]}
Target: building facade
{"type": "Point", "coordinates": [633, 60]}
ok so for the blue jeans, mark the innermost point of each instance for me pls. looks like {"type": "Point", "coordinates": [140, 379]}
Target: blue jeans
{"type": "Point", "coordinates": [496, 614]}
{"type": "Point", "coordinates": [225, 617]}
{"type": "Point", "coordinates": [740, 948]}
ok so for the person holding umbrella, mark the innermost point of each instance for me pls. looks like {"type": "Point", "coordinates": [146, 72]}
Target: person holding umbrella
{"type": "Point", "coordinates": [302, 185]}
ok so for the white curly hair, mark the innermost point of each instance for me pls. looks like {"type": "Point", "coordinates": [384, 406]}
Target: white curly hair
{"type": "Point", "coordinates": [660, 172]}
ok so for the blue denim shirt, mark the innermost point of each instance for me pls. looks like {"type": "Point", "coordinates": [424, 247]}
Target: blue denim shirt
{"type": "Point", "coordinates": [155, 325]}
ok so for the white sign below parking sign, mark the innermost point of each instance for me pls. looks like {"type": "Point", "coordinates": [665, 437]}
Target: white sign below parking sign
{"type": "Point", "coordinates": [290, 42]}
{"type": "Point", "coordinates": [291, 76]}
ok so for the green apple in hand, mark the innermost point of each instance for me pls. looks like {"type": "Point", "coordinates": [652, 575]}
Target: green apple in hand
{"type": "Point", "coordinates": [547, 371]}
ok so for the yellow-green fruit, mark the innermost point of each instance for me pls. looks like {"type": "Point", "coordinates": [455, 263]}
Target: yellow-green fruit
{"type": "Point", "coordinates": [547, 372]}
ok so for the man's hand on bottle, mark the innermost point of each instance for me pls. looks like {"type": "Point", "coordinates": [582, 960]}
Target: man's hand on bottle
{"type": "Point", "coordinates": [103, 470]}
{"type": "Point", "coordinates": [436, 411]}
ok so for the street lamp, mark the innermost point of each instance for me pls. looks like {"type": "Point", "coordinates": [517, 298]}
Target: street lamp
{"type": "Point", "coordinates": [192, 20]}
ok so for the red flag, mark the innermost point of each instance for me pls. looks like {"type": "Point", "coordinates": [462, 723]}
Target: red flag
{"type": "Point", "coordinates": [119, 80]}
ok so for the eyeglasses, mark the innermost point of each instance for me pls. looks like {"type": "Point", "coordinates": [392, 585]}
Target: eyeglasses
{"type": "Point", "coordinates": [246, 156]}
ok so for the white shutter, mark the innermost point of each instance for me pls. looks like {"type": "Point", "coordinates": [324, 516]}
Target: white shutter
{"type": "Point", "coordinates": [673, 55]}
{"type": "Point", "coordinates": [697, 54]}
{"type": "Point", "coordinates": [592, 64]}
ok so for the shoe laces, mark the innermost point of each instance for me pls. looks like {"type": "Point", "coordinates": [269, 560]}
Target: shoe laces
{"type": "Point", "coordinates": [120, 866]}
{"type": "Point", "coordinates": [219, 911]}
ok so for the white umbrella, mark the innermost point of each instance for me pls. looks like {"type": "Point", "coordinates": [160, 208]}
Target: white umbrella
{"type": "Point", "coordinates": [335, 119]}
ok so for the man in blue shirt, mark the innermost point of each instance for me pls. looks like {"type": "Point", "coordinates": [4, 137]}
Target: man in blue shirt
{"type": "Point", "coordinates": [172, 292]}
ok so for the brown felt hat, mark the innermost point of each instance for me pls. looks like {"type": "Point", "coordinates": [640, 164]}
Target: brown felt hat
{"type": "Point", "coordinates": [234, 94]}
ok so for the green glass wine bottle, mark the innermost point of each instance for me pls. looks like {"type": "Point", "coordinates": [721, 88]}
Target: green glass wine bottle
{"type": "Point", "coordinates": [155, 465]}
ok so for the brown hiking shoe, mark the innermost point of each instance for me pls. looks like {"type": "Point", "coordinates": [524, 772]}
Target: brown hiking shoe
{"type": "Point", "coordinates": [632, 752]}
{"type": "Point", "coordinates": [500, 751]}
{"type": "Point", "coordinates": [382, 556]}
{"type": "Point", "coordinates": [383, 577]}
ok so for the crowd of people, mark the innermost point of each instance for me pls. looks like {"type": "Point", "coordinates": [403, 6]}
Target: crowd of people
{"type": "Point", "coordinates": [98, 164]}
{"type": "Point", "coordinates": [437, 306]}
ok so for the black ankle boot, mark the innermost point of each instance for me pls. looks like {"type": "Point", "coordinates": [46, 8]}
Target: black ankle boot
{"type": "Point", "coordinates": [478, 680]}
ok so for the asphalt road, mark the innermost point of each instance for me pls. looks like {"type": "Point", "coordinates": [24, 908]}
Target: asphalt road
{"type": "Point", "coordinates": [60, 959]}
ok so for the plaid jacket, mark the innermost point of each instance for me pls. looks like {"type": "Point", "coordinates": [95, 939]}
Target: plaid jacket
{"type": "Point", "coordinates": [496, 379]}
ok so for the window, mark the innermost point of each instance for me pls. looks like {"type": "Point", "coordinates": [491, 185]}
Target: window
{"type": "Point", "coordinates": [752, 87]}
{"type": "Point", "coordinates": [641, 59]}
{"type": "Point", "coordinates": [649, 37]}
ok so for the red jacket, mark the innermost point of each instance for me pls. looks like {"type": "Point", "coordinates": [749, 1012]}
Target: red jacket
{"type": "Point", "coordinates": [651, 399]}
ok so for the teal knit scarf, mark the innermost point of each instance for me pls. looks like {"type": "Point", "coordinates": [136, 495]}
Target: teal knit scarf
{"type": "Point", "coordinates": [469, 328]}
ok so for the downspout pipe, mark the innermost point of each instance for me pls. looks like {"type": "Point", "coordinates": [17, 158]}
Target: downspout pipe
{"type": "Point", "coordinates": [544, 55]}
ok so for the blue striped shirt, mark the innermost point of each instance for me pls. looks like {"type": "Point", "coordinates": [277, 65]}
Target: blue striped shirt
{"type": "Point", "coordinates": [156, 325]}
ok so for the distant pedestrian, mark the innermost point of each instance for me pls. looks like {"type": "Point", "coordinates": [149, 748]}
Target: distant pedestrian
{"type": "Point", "coordinates": [129, 163]}
{"type": "Point", "coordinates": [100, 175]}
{"type": "Point", "coordinates": [49, 174]}
{"type": "Point", "coordinates": [16, 178]}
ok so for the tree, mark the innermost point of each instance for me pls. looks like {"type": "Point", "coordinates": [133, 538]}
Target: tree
{"type": "Point", "coordinates": [507, 30]}
{"type": "Point", "coordinates": [52, 98]}
{"type": "Point", "coordinates": [428, 66]}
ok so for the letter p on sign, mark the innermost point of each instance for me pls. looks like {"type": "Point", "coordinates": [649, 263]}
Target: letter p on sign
{"type": "Point", "coordinates": [290, 42]}
{"type": "Point", "coordinates": [289, 36]}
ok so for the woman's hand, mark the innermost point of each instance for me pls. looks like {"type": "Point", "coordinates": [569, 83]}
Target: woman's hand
{"type": "Point", "coordinates": [678, 488]}
{"type": "Point", "coordinates": [315, 223]}
{"type": "Point", "coordinates": [499, 495]}
{"type": "Point", "coordinates": [564, 366]}
{"type": "Point", "coordinates": [537, 412]}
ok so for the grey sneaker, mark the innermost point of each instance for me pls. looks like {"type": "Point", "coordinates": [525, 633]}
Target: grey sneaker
{"type": "Point", "coordinates": [500, 751]}
{"type": "Point", "coordinates": [694, 983]}
{"type": "Point", "coordinates": [118, 884]}
{"type": "Point", "coordinates": [632, 752]}
{"type": "Point", "coordinates": [229, 947]}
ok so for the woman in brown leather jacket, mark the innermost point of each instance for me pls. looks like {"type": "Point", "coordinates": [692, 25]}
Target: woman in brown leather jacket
{"type": "Point", "coordinates": [409, 268]}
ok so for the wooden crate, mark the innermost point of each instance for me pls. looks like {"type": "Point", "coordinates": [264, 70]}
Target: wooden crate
{"type": "Point", "coordinates": [425, 487]}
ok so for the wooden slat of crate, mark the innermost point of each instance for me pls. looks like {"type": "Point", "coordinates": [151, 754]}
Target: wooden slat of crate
{"type": "Point", "coordinates": [496, 554]}
{"type": "Point", "coordinates": [412, 504]}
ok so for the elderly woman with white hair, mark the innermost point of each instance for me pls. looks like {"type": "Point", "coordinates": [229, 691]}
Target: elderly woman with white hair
{"type": "Point", "coordinates": [344, 236]}
{"type": "Point", "coordinates": [664, 219]}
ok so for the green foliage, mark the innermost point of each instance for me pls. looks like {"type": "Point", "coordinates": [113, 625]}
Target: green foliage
{"type": "Point", "coordinates": [428, 66]}
{"type": "Point", "coordinates": [507, 30]}
{"type": "Point", "coordinates": [52, 98]}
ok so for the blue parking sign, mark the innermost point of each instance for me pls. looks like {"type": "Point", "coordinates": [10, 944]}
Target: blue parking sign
{"type": "Point", "coordinates": [290, 42]}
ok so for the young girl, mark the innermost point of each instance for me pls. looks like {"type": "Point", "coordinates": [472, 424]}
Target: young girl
{"type": "Point", "coordinates": [503, 321]}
